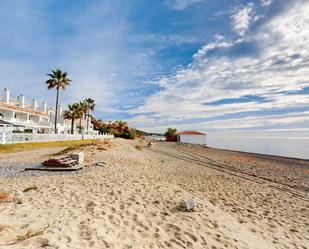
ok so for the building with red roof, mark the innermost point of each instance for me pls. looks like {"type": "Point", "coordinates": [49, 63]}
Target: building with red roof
{"type": "Point", "coordinates": [191, 137]}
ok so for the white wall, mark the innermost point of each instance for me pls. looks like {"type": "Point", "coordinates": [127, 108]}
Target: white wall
{"type": "Point", "coordinates": [192, 139]}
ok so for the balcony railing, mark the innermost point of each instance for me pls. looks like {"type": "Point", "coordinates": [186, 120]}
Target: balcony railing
{"type": "Point", "coordinates": [18, 121]}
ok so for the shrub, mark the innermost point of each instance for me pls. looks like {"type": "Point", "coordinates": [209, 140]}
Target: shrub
{"type": "Point", "coordinates": [170, 135]}
{"type": "Point", "coordinates": [30, 188]}
{"type": "Point", "coordinates": [138, 147]}
{"type": "Point", "coordinates": [17, 131]}
{"type": "Point", "coordinates": [128, 134]}
{"type": "Point", "coordinates": [117, 128]}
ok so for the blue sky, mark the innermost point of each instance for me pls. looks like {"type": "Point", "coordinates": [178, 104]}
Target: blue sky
{"type": "Point", "coordinates": [209, 65]}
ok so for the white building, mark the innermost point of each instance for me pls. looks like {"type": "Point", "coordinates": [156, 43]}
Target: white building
{"type": "Point", "coordinates": [192, 137]}
{"type": "Point", "coordinates": [35, 117]}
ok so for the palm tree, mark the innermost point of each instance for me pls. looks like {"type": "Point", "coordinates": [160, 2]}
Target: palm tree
{"type": "Point", "coordinates": [83, 108]}
{"type": "Point", "coordinates": [72, 113]}
{"type": "Point", "coordinates": [90, 103]}
{"type": "Point", "coordinates": [58, 80]}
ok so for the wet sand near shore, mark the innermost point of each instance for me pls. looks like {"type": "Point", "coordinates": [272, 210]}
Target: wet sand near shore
{"type": "Point", "coordinates": [133, 198]}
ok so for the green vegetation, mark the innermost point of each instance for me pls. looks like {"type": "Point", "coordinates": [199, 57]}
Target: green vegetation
{"type": "Point", "coordinates": [7, 148]}
{"type": "Point", "coordinates": [117, 128]}
{"type": "Point", "coordinates": [73, 113]}
{"type": "Point", "coordinates": [80, 128]}
{"type": "Point", "coordinates": [30, 188]}
{"type": "Point", "coordinates": [89, 103]}
{"type": "Point", "coordinates": [138, 147]}
{"type": "Point", "coordinates": [170, 135]}
{"type": "Point", "coordinates": [79, 111]}
{"type": "Point", "coordinates": [82, 109]}
{"type": "Point", "coordinates": [58, 80]}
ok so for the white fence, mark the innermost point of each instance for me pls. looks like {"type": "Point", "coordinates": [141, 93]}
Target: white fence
{"type": "Point", "coordinates": [5, 134]}
{"type": "Point", "coordinates": [23, 138]}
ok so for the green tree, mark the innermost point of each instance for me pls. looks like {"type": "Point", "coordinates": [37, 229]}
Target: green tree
{"type": "Point", "coordinates": [72, 113]}
{"type": "Point", "coordinates": [170, 134]}
{"type": "Point", "coordinates": [91, 105]}
{"type": "Point", "coordinates": [59, 80]}
{"type": "Point", "coordinates": [83, 109]}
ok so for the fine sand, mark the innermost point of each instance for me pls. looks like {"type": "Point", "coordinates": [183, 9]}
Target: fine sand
{"type": "Point", "coordinates": [133, 197]}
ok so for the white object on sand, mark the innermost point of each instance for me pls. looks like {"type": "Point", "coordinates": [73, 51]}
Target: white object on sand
{"type": "Point", "coordinates": [190, 205]}
{"type": "Point", "coordinates": [79, 157]}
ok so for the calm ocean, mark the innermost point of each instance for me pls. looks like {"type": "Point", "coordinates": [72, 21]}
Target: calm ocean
{"type": "Point", "coordinates": [270, 144]}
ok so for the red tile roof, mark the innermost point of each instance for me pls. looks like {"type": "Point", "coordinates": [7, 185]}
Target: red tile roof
{"type": "Point", "coordinates": [17, 108]}
{"type": "Point", "coordinates": [190, 133]}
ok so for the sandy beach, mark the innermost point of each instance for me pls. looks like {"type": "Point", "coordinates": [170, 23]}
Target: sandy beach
{"type": "Point", "coordinates": [133, 197]}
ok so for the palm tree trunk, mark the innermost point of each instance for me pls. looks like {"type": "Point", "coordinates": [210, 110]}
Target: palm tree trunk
{"type": "Point", "coordinates": [80, 125]}
{"type": "Point", "coordinates": [72, 126]}
{"type": "Point", "coordinates": [87, 120]}
{"type": "Point", "coordinates": [56, 113]}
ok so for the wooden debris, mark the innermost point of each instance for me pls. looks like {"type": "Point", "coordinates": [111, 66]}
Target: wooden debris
{"type": "Point", "coordinates": [72, 168]}
{"type": "Point", "coordinates": [64, 161]}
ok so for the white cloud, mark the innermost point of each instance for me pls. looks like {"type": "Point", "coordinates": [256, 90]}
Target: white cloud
{"type": "Point", "coordinates": [284, 121]}
{"type": "Point", "coordinates": [220, 43]}
{"type": "Point", "coordinates": [266, 2]}
{"type": "Point", "coordinates": [243, 18]}
{"type": "Point", "coordinates": [181, 4]}
{"type": "Point", "coordinates": [278, 63]}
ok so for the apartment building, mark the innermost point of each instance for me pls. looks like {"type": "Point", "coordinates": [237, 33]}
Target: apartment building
{"type": "Point", "coordinates": [36, 116]}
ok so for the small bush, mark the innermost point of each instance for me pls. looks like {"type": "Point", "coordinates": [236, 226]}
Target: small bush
{"type": "Point", "coordinates": [30, 188]}
{"type": "Point", "coordinates": [139, 147]}
{"type": "Point", "coordinates": [170, 135]}
{"type": "Point", "coordinates": [128, 135]}
{"type": "Point", "coordinates": [17, 131]}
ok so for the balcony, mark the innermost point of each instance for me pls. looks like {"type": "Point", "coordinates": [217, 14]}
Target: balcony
{"type": "Point", "coordinates": [26, 122]}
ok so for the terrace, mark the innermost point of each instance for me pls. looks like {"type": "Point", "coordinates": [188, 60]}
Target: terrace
{"type": "Point", "coordinates": [21, 114]}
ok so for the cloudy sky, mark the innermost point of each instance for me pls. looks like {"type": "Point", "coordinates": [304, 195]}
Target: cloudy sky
{"type": "Point", "coordinates": [209, 65]}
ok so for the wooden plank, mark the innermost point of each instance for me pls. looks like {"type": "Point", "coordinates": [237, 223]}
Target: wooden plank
{"type": "Point", "coordinates": [40, 168]}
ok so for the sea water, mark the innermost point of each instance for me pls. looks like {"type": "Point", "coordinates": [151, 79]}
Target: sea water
{"type": "Point", "coordinates": [291, 144]}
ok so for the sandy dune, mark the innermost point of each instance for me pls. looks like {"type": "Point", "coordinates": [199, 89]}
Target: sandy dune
{"type": "Point", "coordinates": [134, 199]}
